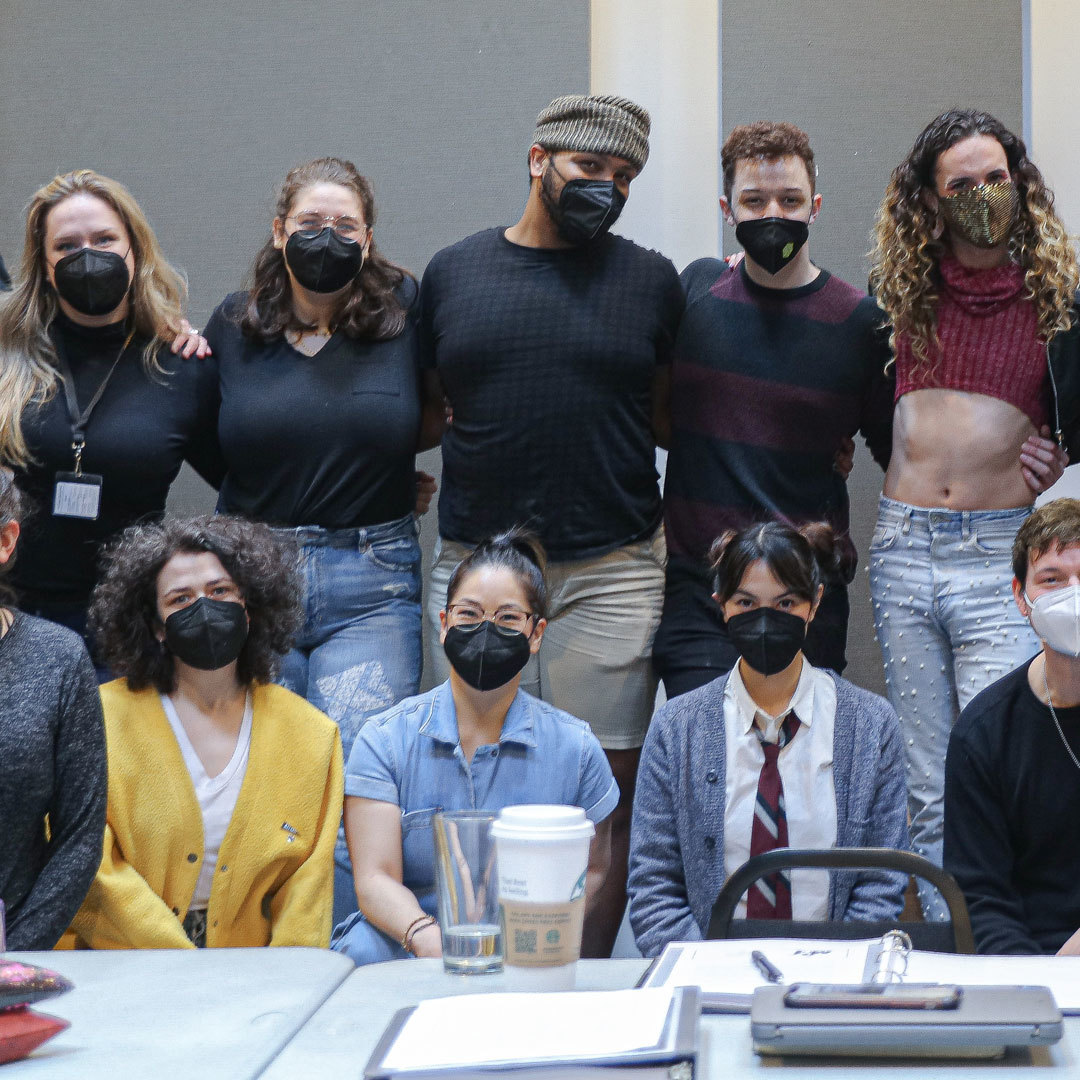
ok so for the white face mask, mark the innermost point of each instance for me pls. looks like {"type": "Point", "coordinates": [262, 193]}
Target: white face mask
{"type": "Point", "coordinates": [1055, 617]}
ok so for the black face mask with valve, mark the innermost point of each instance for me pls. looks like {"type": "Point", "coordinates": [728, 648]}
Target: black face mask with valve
{"type": "Point", "coordinates": [772, 242]}
{"type": "Point", "coordinates": [323, 262]}
{"type": "Point", "coordinates": [767, 639]}
{"type": "Point", "coordinates": [208, 634]}
{"type": "Point", "coordinates": [92, 282]}
{"type": "Point", "coordinates": [486, 656]}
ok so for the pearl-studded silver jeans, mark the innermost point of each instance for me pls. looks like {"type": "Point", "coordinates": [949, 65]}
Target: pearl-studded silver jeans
{"type": "Point", "coordinates": [941, 585]}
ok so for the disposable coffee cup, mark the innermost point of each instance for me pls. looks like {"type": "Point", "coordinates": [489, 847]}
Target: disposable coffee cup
{"type": "Point", "coordinates": [542, 856]}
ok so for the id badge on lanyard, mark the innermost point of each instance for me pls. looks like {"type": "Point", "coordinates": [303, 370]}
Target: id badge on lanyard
{"type": "Point", "coordinates": [78, 494]}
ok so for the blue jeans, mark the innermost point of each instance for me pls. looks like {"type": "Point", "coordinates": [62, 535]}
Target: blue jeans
{"type": "Point", "coordinates": [359, 650]}
{"type": "Point", "coordinates": [941, 585]}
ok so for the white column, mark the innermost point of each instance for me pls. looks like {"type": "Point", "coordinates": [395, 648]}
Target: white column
{"type": "Point", "coordinates": [666, 56]}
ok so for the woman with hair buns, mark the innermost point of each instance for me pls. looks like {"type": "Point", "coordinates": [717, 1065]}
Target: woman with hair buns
{"type": "Point", "coordinates": [476, 742]}
{"type": "Point", "coordinates": [96, 415]}
{"type": "Point", "coordinates": [52, 761]}
{"type": "Point", "coordinates": [776, 753]}
{"type": "Point", "coordinates": [319, 427]}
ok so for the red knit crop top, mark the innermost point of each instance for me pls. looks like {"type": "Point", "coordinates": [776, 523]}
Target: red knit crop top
{"type": "Point", "coordinates": [989, 342]}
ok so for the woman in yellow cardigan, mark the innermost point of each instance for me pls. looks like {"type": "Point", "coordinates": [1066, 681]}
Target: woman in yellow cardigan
{"type": "Point", "coordinates": [225, 790]}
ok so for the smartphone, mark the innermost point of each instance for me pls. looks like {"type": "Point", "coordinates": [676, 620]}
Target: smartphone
{"type": "Point", "coordinates": [872, 996]}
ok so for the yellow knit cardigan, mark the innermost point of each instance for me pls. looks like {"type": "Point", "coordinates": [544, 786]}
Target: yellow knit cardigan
{"type": "Point", "coordinates": [274, 879]}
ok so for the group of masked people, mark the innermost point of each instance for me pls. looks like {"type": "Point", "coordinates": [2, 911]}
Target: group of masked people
{"type": "Point", "coordinates": [265, 662]}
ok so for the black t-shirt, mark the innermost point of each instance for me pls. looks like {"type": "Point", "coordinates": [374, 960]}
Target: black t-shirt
{"type": "Point", "coordinates": [327, 440]}
{"type": "Point", "coordinates": [144, 427]}
{"type": "Point", "coordinates": [1012, 818]}
{"type": "Point", "coordinates": [547, 357]}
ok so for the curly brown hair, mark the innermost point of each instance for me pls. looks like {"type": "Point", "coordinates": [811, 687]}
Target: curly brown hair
{"type": "Point", "coordinates": [905, 275]}
{"type": "Point", "coordinates": [1054, 524]}
{"type": "Point", "coordinates": [123, 613]}
{"type": "Point", "coordinates": [370, 309]}
{"type": "Point", "coordinates": [765, 139]}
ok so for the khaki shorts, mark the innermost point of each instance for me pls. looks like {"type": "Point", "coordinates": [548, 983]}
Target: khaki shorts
{"type": "Point", "coordinates": [596, 659]}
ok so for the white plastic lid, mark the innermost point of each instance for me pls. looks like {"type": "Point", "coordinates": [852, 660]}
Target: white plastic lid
{"type": "Point", "coordinates": [539, 821]}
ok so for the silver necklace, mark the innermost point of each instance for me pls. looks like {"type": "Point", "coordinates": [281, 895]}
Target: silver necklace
{"type": "Point", "coordinates": [1057, 724]}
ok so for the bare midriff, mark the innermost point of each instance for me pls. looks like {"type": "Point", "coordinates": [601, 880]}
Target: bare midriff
{"type": "Point", "coordinates": [956, 449]}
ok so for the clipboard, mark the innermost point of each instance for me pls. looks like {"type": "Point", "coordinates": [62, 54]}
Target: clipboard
{"type": "Point", "coordinates": [672, 1057]}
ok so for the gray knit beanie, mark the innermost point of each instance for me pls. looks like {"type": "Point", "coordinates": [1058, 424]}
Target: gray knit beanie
{"type": "Point", "coordinates": [595, 124]}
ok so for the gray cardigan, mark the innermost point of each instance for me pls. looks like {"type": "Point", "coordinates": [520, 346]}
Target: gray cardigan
{"type": "Point", "coordinates": [677, 832]}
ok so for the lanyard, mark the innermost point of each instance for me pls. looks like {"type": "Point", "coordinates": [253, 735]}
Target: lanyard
{"type": "Point", "coordinates": [80, 419]}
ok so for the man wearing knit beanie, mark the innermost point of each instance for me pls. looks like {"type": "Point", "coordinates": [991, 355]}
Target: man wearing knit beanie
{"type": "Point", "coordinates": [550, 341]}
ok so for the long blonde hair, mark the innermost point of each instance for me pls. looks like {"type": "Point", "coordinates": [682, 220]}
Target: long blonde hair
{"type": "Point", "coordinates": [905, 276]}
{"type": "Point", "coordinates": [27, 357]}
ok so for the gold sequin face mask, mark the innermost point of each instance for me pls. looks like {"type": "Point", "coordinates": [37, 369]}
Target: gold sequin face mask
{"type": "Point", "coordinates": [984, 215]}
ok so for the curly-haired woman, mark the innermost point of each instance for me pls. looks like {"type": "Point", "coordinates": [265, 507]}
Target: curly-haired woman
{"type": "Point", "coordinates": [319, 426]}
{"type": "Point", "coordinates": [978, 277]}
{"type": "Point", "coordinates": [96, 416]}
{"type": "Point", "coordinates": [225, 789]}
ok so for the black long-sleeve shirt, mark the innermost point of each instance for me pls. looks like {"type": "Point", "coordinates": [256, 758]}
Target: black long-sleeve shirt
{"type": "Point", "coordinates": [52, 762]}
{"type": "Point", "coordinates": [141, 432]}
{"type": "Point", "coordinates": [1012, 818]}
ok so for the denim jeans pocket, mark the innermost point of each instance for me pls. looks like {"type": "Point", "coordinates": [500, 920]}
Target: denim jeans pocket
{"type": "Point", "coordinates": [992, 541]}
{"type": "Point", "coordinates": [397, 554]}
{"type": "Point", "coordinates": [884, 538]}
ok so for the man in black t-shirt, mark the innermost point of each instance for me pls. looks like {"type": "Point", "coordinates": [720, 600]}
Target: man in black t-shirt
{"type": "Point", "coordinates": [550, 341]}
{"type": "Point", "coordinates": [1012, 775]}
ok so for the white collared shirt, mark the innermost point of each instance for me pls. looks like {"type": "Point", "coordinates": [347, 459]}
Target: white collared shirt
{"type": "Point", "coordinates": [806, 772]}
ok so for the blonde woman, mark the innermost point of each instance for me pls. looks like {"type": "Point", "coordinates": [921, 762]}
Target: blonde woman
{"type": "Point", "coordinates": [978, 278]}
{"type": "Point", "coordinates": [96, 413]}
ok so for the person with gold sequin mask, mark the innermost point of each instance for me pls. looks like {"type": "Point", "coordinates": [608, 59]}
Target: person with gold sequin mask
{"type": "Point", "coordinates": [978, 278]}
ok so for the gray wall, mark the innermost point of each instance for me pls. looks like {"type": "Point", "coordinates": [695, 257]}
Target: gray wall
{"type": "Point", "coordinates": [201, 109]}
{"type": "Point", "coordinates": [863, 79]}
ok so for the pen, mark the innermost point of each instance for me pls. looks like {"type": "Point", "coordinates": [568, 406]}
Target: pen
{"type": "Point", "coordinates": [769, 970]}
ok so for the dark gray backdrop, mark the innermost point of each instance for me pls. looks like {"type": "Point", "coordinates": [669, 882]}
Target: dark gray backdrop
{"type": "Point", "coordinates": [863, 80]}
{"type": "Point", "coordinates": [201, 110]}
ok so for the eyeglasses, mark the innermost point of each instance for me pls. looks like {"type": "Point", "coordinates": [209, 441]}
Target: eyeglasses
{"type": "Point", "coordinates": [468, 615]}
{"type": "Point", "coordinates": [310, 223]}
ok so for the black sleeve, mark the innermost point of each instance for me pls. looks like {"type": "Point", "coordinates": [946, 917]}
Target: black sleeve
{"type": "Point", "coordinates": [426, 315]}
{"type": "Point", "coordinates": [203, 451]}
{"type": "Point", "coordinates": [878, 404]}
{"type": "Point", "coordinates": [978, 849]}
{"type": "Point", "coordinates": [1065, 385]}
{"type": "Point", "coordinates": [673, 305]}
{"type": "Point", "coordinates": [76, 816]}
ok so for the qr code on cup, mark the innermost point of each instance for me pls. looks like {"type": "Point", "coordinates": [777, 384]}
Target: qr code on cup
{"type": "Point", "coordinates": [525, 941]}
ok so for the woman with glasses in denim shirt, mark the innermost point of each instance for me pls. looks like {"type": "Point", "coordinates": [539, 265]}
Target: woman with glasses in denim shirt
{"type": "Point", "coordinates": [319, 425]}
{"type": "Point", "coordinates": [475, 742]}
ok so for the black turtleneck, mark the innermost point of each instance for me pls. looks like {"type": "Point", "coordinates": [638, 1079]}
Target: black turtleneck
{"type": "Point", "coordinates": [143, 428]}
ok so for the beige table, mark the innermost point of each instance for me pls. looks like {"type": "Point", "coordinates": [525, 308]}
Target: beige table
{"type": "Point", "coordinates": [199, 1014]}
{"type": "Point", "coordinates": [339, 1038]}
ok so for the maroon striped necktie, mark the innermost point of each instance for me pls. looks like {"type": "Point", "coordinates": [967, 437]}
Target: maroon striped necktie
{"type": "Point", "coordinates": [770, 897]}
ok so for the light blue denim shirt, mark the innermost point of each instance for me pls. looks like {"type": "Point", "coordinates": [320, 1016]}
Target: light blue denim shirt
{"type": "Point", "coordinates": [410, 755]}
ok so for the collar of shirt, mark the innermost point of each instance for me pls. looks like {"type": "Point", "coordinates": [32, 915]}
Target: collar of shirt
{"type": "Point", "coordinates": [441, 723]}
{"type": "Point", "coordinates": [802, 702]}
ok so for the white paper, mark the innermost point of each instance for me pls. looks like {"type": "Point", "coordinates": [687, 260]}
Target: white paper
{"type": "Point", "coordinates": [494, 1029]}
{"type": "Point", "coordinates": [1060, 973]}
{"type": "Point", "coordinates": [725, 967]}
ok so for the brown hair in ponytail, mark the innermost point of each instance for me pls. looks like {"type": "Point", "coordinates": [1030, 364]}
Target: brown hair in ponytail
{"type": "Point", "coordinates": [518, 551]}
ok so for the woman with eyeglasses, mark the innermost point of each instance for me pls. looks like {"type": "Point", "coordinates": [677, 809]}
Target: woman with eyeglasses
{"type": "Point", "coordinates": [475, 742]}
{"type": "Point", "coordinates": [319, 426]}
{"type": "Point", "coordinates": [96, 414]}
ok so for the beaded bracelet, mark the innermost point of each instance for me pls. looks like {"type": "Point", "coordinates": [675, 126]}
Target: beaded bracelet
{"type": "Point", "coordinates": [421, 922]}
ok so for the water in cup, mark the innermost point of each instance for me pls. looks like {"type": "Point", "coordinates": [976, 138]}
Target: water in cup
{"type": "Point", "coordinates": [472, 947]}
